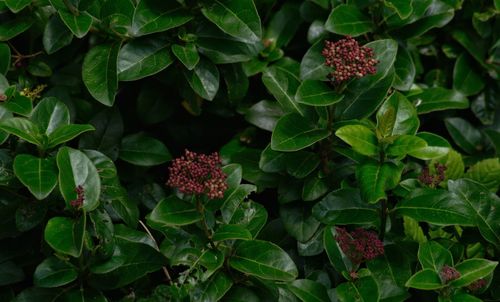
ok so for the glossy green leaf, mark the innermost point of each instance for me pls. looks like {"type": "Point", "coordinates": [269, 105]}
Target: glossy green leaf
{"type": "Point", "coordinates": [22, 128]}
{"type": "Point", "coordinates": [4, 58]}
{"type": "Point", "coordinates": [309, 290]}
{"type": "Point", "coordinates": [78, 22]}
{"type": "Point", "coordinates": [264, 114]}
{"type": "Point", "coordinates": [302, 163]}
{"type": "Point", "coordinates": [473, 269]}
{"type": "Point", "coordinates": [107, 135]}
{"type": "Point", "coordinates": [360, 138]}
{"type": "Point", "coordinates": [437, 98]}
{"type": "Point", "coordinates": [316, 93]}
{"type": "Point", "coordinates": [50, 114]}
{"type": "Point", "coordinates": [233, 198]}
{"type": "Point", "coordinates": [213, 289]}
{"type": "Point", "coordinates": [264, 260]}
{"type": "Point", "coordinates": [251, 215]}
{"type": "Point", "coordinates": [465, 135]}
{"type": "Point", "coordinates": [426, 279]}
{"type": "Point", "coordinates": [405, 69]}
{"type": "Point", "coordinates": [405, 144]}
{"type": "Point", "coordinates": [403, 8]}
{"type": "Point", "coordinates": [17, 5]}
{"type": "Point", "coordinates": [282, 83]}
{"type": "Point", "coordinates": [187, 54]}
{"type": "Point", "coordinates": [465, 78]}
{"type": "Point", "coordinates": [314, 187]}
{"type": "Point", "coordinates": [53, 272]}
{"type": "Point", "coordinates": [204, 79]}
{"type": "Point", "coordinates": [397, 116]}
{"type": "Point", "coordinates": [153, 16]}
{"type": "Point", "coordinates": [283, 25]}
{"type": "Point", "coordinates": [486, 172]}
{"type": "Point", "coordinates": [239, 19]}
{"type": "Point", "coordinates": [17, 103]}
{"type": "Point", "coordinates": [363, 289]}
{"type": "Point", "coordinates": [436, 147]}
{"type": "Point", "coordinates": [337, 258]}
{"type": "Point", "coordinates": [454, 163]}
{"type": "Point", "coordinates": [237, 83]}
{"type": "Point", "coordinates": [66, 133]}
{"type": "Point", "coordinates": [76, 169]}
{"type": "Point", "coordinates": [99, 72]}
{"type": "Point", "coordinates": [347, 19]}
{"type": "Point", "coordinates": [11, 28]}
{"type": "Point", "coordinates": [39, 175]}
{"type": "Point", "coordinates": [375, 179]}
{"type": "Point", "coordinates": [437, 207]}
{"type": "Point", "coordinates": [65, 235]}
{"type": "Point", "coordinates": [143, 57]}
{"type": "Point", "coordinates": [298, 221]}
{"type": "Point", "coordinates": [30, 215]}
{"type": "Point", "coordinates": [294, 132]}
{"type": "Point", "coordinates": [231, 232]}
{"type": "Point", "coordinates": [56, 35]}
{"type": "Point", "coordinates": [141, 150]}
{"type": "Point", "coordinates": [83, 295]}
{"type": "Point", "coordinates": [345, 206]}
{"type": "Point", "coordinates": [312, 66]}
{"type": "Point", "coordinates": [434, 256]}
{"type": "Point", "coordinates": [172, 211]}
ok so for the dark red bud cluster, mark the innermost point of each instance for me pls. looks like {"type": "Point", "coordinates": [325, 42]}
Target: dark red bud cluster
{"type": "Point", "coordinates": [477, 285]}
{"type": "Point", "coordinates": [348, 59]}
{"type": "Point", "coordinates": [433, 180]}
{"type": "Point", "coordinates": [449, 273]}
{"type": "Point", "coordinates": [80, 197]}
{"type": "Point", "coordinates": [3, 97]}
{"type": "Point", "coordinates": [198, 174]}
{"type": "Point", "coordinates": [359, 245]}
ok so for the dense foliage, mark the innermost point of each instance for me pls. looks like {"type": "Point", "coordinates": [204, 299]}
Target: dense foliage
{"type": "Point", "coordinates": [249, 150]}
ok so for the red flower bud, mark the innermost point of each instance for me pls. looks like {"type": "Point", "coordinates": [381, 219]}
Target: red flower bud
{"type": "Point", "coordinates": [359, 245]}
{"type": "Point", "coordinates": [449, 273]}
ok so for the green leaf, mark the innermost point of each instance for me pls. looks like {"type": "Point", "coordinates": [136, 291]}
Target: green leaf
{"type": "Point", "coordinates": [486, 172]}
{"type": "Point", "coordinates": [337, 258]}
{"type": "Point", "coordinates": [283, 25]}
{"type": "Point", "coordinates": [53, 272]}
{"type": "Point", "coordinates": [76, 169]}
{"type": "Point", "coordinates": [241, 294]}
{"type": "Point", "coordinates": [233, 175]}
{"type": "Point", "coordinates": [17, 103]}
{"type": "Point", "coordinates": [82, 295]}
{"type": "Point", "coordinates": [465, 78]}
{"type": "Point", "coordinates": [99, 72]}
{"type": "Point", "coordinates": [453, 163]}
{"type": "Point", "coordinates": [436, 147]}
{"type": "Point", "coordinates": [363, 96]}
{"type": "Point", "coordinates": [11, 28]}
{"type": "Point", "coordinates": [282, 83]}
{"type": "Point", "coordinates": [79, 23]}
{"type": "Point", "coordinates": [294, 132]}
{"type": "Point", "coordinates": [213, 289]}
{"type": "Point", "coordinates": [130, 262]}
{"type": "Point", "coordinates": [232, 200]}
{"type": "Point", "coordinates": [50, 114]}
{"type": "Point", "coordinates": [23, 129]}
{"type": "Point", "coordinates": [141, 150]}
{"type": "Point", "coordinates": [314, 187]}
{"type": "Point", "coordinates": [413, 230]}
{"type": "Point", "coordinates": [236, 81]}
{"type": "Point", "coordinates": [375, 179]}
{"type": "Point", "coordinates": [56, 35]}
{"type": "Point", "coordinates": [264, 114]}
{"type": "Point", "coordinates": [204, 79]}
{"type": "Point", "coordinates": [345, 206]}
{"type": "Point", "coordinates": [360, 138]}
{"type": "Point", "coordinates": [312, 66]}
{"type": "Point", "coordinates": [347, 19]}
{"type": "Point", "coordinates": [397, 116]}
{"type": "Point", "coordinates": [65, 235]}
{"type": "Point", "coordinates": [153, 16]}
{"type": "Point", "coordinates": [264, 260]}
{"type": "Point", "coordinates": [434, 256]}
{"type": "Point", "coordinates": [426, 279]}
{"type": "Point", "coordinates": [143, 57]}
{"type": "Point", "coordinates": [473, 269]}
{"type": "Point", "coordinates": [309, 290]}
{"type": "Point", "coordinates": [464, 134]}
{"type": "Point", "coordinates": [436, 207]}
{"type": "Point", "coordinates": [363, 289]}
{"type": "Point", "coordinates": [4, 58]}
{"type": "Point", "coordinates": [239, 19]}
{"type": "Point", "coordinates": [66, 133]}
{"type": "Point", "coordinates": [30, 214]}
{"type": "Point", "coordinates": [188, 54]}
{"type": "Point", "coordinates": [251, 215]}
{"type": "Point", "coordinates": [108, 133]}
{"type": "Point", "coordinates": [39, 175]}
{"type": "Point", "coordinates": [17, 5]}
{"type": "Point", "coordinates": [479, 201]}
{"type": "Point", "coordinates": [404, 68]}
{"type": "Point", "coordinates": [298, 221]}
{"type": "Point", "coordinates": [405, 144]}
{"type": "Point", "coordinates": [316, 93]}
{"type": "Point", "coordinates": [402, 7]}
{"type": "Point", "coordinates": [10, 273]}
{"type": "Point", "coordinates": [302, 163]}
{"type": "Point", "coordinates": [172, 211]}
{"type": "Point", "coordinates": [437, 98]}
{"type": "Point", "coordinates": [231, 232]}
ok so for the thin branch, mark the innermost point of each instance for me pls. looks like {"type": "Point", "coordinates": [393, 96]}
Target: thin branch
{"type": "Point", "coordinates": [165, 270]}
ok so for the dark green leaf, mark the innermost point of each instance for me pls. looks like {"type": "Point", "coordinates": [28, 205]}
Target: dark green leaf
{"type": "Point", "coordinates": [17, 103]}
{"type": "Point", "coordinates": [312, 66]}
{"type": "Point", "coordinates": [172, 211]}
{"type": "Point", "coordinates": [11, 28]}
{"type": "Point", "coordinates": [426, 279]}
{"type": "Point", "coordinates": [346, 19]}
{"type": "Point", "coordinates": [204, 79]}
{"type": "Point", "coordinates": [252, 215]}
{"type": "Point", "coordinates": [17, 5]}
{"type": "Point", "coordinates": [4, 58]}
{"type": "Point", "coordinates": [23, 129]}
{"type": "Point", "coordinates": [50, 114]}
{"type": "Point", "coordinates": [314, 187]}
{"type": "Point", "coordinates": [99, 72]}
{"type": "Point", "coordinates": [363, 289]}
{"type": "Point", "coordinates": [397, 116]}
{"type": "Point", "coordinates": [29, 215]}
{"type": "Point", "coordinates": [264, 114]}
{"type": "Point", "coordinates": [153, 16]}
{"type": "Point", "coordinates": [464, 134]}
{"type": "Point", "coordinates": [263, 259]}
{"type": "Point", "coordinates": [316, 93]}
{"type": "Point", "coordinates": [360, 138]}
{"type": "Point", "coordinates": [294, 132]}
{"type": "Point", "coordinates": [337, 258]}
{"type": "Point", "coordinates": [78, 22]}
{"type": "Point", "coordinates": [141, 150]}
{"type": "Point", "coordinates": [233, 198]}
{"type": "Point", "coordinates": [434, 256]}
{"type": "Point", "coordinates": [66, 133]}
{"type": "Point", "coordinates": [298, 221]}
{"type": "Point", "coordinates": [309, 290]}
{"type": "Point", "coordinates": [231, 232]}
{"type": "Point", "coordinates": [486, 172]}
{"type": "Point", "coordinates": [213, 289]}
{"type": "Point", "coordinates": [10, 273]}
{"type": "Point", "coordinates": [65, 235]}
{"type": "Point", "coordinates": [53, 272]}
{"type": "Point", "coordinates": [465, 78]}
{"type": "Point", "coordinates": [39, 175]}
{"type": "Point", "coordinates": [402, 7]}
{"type": "Point", "coordinates": [405, 69]}
{"type": "Point", "coordinates": [375, 179]}
{"type": "Point", "coordinates": [473, 269]}
{"type": "Point", "coordinates": [437, 98]}
{"type": "Point", "coordinates": [188, 55]}
{"type": "Point", "coordinates": [56, 35]}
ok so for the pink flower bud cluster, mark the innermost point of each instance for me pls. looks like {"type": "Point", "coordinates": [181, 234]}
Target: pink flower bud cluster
{"type": "Point", "coordinates": [449, 273]}
{"type": "Point", "coordinates": [359, 245]}
{"type": "Point", "coordinates": [3, 97]}
{"type": "Point", "coordinates": [198, 174]}
{"type": "Point", "coordinates": [80, 197]}
{"type": "Point", "coordinates": [477, 285]}
{"type": "Point", "coordinates": [348, 59]}
{"type": "Point", "coordinates": [433, 180]}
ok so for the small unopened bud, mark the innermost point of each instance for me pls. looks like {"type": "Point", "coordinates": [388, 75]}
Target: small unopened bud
{"type": "Point", "coordinates": [449, 273]}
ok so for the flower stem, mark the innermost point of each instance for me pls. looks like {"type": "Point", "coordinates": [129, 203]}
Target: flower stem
{"type": "Point", "coordinates": [201, 210]}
